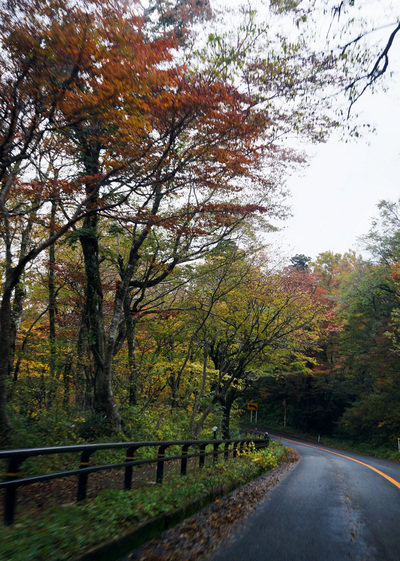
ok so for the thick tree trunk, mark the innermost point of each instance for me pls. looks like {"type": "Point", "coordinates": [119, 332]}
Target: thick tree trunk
{"type": "Point", "coordinates": [104, 401]}
{"type": "Point", "coordinates": [52, 301]}
{"type": "Point", "coordinates": [5, 346]}
{"type": "Point", "coordinates": [227, 403]}
{"type": "Point", "coordinates": [84, 379]}
{"type": "Point", "coordinates": [52, 328]}
{"type": "Point", "coordinates": [16, 316]}
{"type": "Point", "coordinates": [18, 305]}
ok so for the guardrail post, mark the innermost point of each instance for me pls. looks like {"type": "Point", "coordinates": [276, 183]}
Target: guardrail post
{"type": "Point", "coordinates": [202, 453]}
{"type": "Point", "coordinates": [129, 469]}
{"type": "Point", "coordinates": [83, 477]}
{"type": "Point", "coordinates": [226, 452]}
{"type": "Point", "coordinates": [235, 448]}
{"type": "Point", "coordinates": [10, 496]}
{"type": "Point", "coordinates": [185, 449]}
{"type": "Point", "coordinates": [160, 463]}
{"type": "Point", "coordinates": [215, 455]}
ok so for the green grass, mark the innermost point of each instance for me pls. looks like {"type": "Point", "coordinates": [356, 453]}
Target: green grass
{"type": "Point", "coordinates": [68, 531]}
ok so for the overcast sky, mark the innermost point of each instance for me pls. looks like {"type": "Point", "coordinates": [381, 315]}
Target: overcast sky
{"type": "Point", "coordinates": [335, 197]}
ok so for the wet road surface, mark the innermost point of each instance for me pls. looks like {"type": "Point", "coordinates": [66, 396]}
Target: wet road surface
{"type": "Point", "coordinates": [332, 506]}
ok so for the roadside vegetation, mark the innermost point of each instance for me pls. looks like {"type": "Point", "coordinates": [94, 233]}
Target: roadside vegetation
{"type": "Point", "coordinates": [388, 452]}
{"type": "Point", "coordinates": [383, 452]}
{"type": "Point", "coordinates": [68, 531]}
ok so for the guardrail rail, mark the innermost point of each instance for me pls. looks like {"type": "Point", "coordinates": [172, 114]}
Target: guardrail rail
{"type": "Point", "coordinates": [15, 458]}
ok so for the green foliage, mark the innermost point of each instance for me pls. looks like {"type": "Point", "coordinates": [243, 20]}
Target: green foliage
{"type": "Point", "coordinates": [375, 417]}
{"type": "Point", "coordinates": [46, 428]}
{"type": "Point", "coordinates": [270, 457]}
{"type": "Point", "coordinates": [91, 427]}
{"type": "Point", "coordinates": [282, 6]}
{"type": "Point", "coordinates": [300, 261]}
{"type": "Point", "coordinates": [383, 239]}
{"type": "Point", "coordinates": [73, 237]}
{"type": "Point", "coordinates": [389, 451]}
{"type": "Point", "coordinates": [155, 423]}
{"type": "Point", "coordinates": [351, 389]}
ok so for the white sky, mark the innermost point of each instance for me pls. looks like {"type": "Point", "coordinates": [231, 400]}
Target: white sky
{"type": "Point", "coordinates": [335, 197]}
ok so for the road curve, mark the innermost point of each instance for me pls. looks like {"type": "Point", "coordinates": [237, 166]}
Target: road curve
{"type": "Point", "coordinates": [332, 506]}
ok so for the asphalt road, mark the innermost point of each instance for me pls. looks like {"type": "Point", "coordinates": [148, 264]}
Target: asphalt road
{"type": "Point", "coordinates": [332, 506]}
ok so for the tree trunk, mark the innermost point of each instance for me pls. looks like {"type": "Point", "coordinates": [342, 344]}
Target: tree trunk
{"type": "Point", "coordinates": [103, 389]}
{"type": "Point", "coordinates": [227, 403]}
{"type": "Point", "coordinates": [52, 300]}
{"type": "Point", "coordinates": [67, 382]}
{"type": "Point", "coordinates": [18, 304]}
{"type": "Point", "coordinates": [52, 326]}
{"type": "Point", "coordinates": [16, 316]}
{"type": "Point", "coordinates": [104, 401]}
{"type": "Point", "coordinates": [219, 397]}
{"type": "Point", "coordinates": [206, 412]}
{"type": "Point", "coordinates": [225, 420]}
{"type": "Point", "coordinates": [132, 364]}
{"type": "Point", "coordinates": [5, 346]}
{"type": "Point", "coordinates": [80, 385]}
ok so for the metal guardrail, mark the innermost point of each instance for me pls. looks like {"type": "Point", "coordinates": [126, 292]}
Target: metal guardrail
{"type": "Point", "coordinates": [16, 457]}
{"type": "Point", "coordinates": [254, 430]}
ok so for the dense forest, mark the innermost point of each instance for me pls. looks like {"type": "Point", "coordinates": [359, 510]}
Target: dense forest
{"type": "Point", "coordinates": [143, 162]}
{"type": "Point", "coordinates": [350, 386]}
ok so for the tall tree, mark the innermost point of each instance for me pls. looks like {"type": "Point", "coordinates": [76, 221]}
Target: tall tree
{"type": "Point", "coordinates": [209, 136]}
{"type": "Point", "coordinates": [266, 318]}
{"type": "Point", "coordinates": [35, 74]}
{"type": "Point", "coordinates": [175, 148]}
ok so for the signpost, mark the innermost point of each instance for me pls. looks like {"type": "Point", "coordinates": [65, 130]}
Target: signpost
{"type": "Point", "coordinates": [252, 406]}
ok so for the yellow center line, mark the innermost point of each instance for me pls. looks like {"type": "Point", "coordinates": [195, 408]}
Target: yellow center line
{"type": "Point", "coordinates": [348, 458]}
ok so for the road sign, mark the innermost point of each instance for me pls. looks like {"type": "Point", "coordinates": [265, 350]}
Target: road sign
{"type": "Point", "coordinates": [251, 406]}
